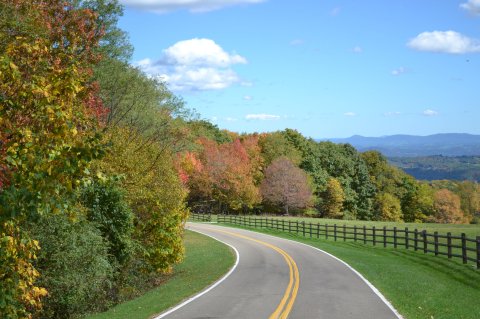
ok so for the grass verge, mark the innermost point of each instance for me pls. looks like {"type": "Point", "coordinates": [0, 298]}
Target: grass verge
{"type": "Point", "coordinates": [418, 285]}
{"type": "Point", "coordinates": [206, 260]}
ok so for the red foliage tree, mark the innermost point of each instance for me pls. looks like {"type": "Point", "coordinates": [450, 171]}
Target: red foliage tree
{"type": "Point", "coordinates": [286, 185]}
{"type": "Point", "coordinates": [226, 175]}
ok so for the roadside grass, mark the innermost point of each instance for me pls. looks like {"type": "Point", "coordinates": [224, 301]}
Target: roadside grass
{"type": "Point", "coordinates": [417, 285]}
{"type": "Point", "coordinates": [206, 260]}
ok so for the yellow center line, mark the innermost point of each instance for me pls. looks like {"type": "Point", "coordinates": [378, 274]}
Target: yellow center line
{"type": "Point", "coordinates": [292, 289]}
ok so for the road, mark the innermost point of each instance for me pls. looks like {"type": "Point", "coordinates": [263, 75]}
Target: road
{"type": "Point", "coordinates": [278, 278]}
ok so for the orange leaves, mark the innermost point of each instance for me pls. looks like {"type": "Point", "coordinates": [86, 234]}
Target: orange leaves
{"type": "Point", "coordinates": [225, 172]}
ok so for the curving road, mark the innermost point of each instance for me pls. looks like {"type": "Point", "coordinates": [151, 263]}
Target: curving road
{"type": "Point", "coordinates": [278, 278]}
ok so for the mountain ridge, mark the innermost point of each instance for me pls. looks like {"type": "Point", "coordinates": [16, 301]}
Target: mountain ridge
{"type": "Point", "coordinates": [404, 145]}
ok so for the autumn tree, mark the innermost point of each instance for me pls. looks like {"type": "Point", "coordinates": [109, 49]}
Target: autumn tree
{"type": "Point", "coordinates": [227, 174]}
{"type": "Point", "coordinates": [48, 114]}
{"type": "Point", "coordinates": [387, 207]}
{"type": "Point", "coordinates": [153, 191]}
{"type": "Point", "coordinates": [447, 208]}
{"type": "Point", "coordinates": [275, 145]}
{"type": "Point", "coordinates": [286, 185]}
{"type": "Point", "coordinates": [333, 198]}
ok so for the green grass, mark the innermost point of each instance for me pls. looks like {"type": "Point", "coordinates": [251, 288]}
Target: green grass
{"type": "Point", "coordinates": [206, 260]}
{"type": "Point", "coordinates": [418, 285]}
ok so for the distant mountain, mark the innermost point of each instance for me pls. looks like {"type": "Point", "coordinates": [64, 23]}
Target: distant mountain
{"type": "Point", "coordinates": [440, 167]}
{"type": "Point", "coordinates": [451, 144]}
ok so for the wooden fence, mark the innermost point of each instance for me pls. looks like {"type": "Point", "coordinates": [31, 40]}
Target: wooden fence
{"type": "Point", "coordinates": [468, 249]}
{"type": "Point", "coordinates": [201, 217]}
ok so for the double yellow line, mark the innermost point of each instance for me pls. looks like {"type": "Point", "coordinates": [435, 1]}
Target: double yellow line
{"type": "Point", "coordinates": [286, 304]}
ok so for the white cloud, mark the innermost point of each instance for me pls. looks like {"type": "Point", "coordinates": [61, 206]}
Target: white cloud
{"type": "Point", "coordinates": [230, 119]}
{"type": "Point", "coordinates": [445, 42]}
{"type": "Point", "coordinates": [196, 64]}
{"type": "Point", "coordinates": [472, 6]}
{"type": "Point", "coordinates": [263, 117]}
{"type": "Point", "coordinates": [163, 6]}
{"type": "Point", "coordinates": [248, 98]}
{"type": "Point", "coordinates": [399, 71]}
{"type": "Point", "coordinates": [351, 114]}
{"type": "Point", "coordinates": [429, 112]}
{"type": "Point", "coordinates": [357, 49]}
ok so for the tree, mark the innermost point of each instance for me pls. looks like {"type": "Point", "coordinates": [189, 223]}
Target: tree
{"type": "Point", "coordinates": [286, 185]}
{"type": "Point", "coordinates": [153, 191]}
{"type": "Point", "coordinates": [469, 193]}
{"type": "Point", "coordinates": [49, 114]}
{"type": "Point", "coordinates": [275, 145]}
{"type": "Point", "coordinates": [333, 199]}
{"type": "Point", "coordinates": [227, 174]}
{"type": "Point", "coordinates": [447, 208]}
{"type": "Point", "coordinates": [387, 207]}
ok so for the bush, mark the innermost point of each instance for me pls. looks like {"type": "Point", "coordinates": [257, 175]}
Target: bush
{"type": "Point", "coordinates": [74, 266]}
{"type": "Point", "coordinates": [106, 207]}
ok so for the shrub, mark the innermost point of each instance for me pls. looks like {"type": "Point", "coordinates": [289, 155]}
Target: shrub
{"type": "Point", "coordinates": [108, 210]}
{"type": "Point", "coordinates": [74, 266]}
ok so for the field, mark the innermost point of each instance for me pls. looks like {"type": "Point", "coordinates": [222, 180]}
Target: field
{"type": "Point", "coordinates": [191, 276]}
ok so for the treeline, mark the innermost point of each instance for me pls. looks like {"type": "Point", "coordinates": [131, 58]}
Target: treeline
{"type": "Point", "coordinates": [91, 204]}
{"type": "Point", "coordinates": [287, 173]}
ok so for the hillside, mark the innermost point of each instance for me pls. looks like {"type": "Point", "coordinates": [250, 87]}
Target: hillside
{"type": "Point", "coordinates": [451, 144]}
{"type": "Point", "coordinates": [440, 167]}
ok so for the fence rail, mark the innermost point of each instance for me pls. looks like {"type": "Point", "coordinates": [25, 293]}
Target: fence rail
{"type": "Point", "coordinates": [467, 249]}
{"type": "Point", "coordinates": [201, 217]}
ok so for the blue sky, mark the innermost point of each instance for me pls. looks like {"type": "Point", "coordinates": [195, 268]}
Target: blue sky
{"type": "Point", "coordinates": [325, 68]}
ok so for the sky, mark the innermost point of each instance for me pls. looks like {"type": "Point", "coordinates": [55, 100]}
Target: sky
{"type": "Point", "coordinates": [325, 68]}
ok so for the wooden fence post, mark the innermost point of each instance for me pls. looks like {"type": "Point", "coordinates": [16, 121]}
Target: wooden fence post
{"type": "Point", "coordinates": [318, 230]}
{"type": "Point", "coordinates": [364, 234]}
{"type": "Point", "coordinates": [415, 242]}
{"type": "Point", "coordinates": [449, 245]}
{"type": "Point", "coordinates": [344, 232]}
{"type": "Point", "coordinates": [478, 252]}
{"type": "Point", "coordinates": [384, 236]}
{"type": "Point", "coordinates": [425, 244]}
{"type": "Point", "coordinates": [464, 248]}
{"type": "Point", "coordinates": [326, 231]}
{"type": "Point", "coordinates": [374, 234]}
{"type": "Point", "coordinates": [355, 233]}
{"type": "Point", "coordinates": [335, 232]}
{"type": "Point", "coordinates": [303, 228]}
{"type": "Point", "coordinates": [406, 238]}
{"type": "Point", "coordinates": [435, 238]}
{"type": "Point", "coordinates": [395, 237]}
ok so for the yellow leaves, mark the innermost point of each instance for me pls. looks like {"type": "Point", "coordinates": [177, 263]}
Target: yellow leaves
{"type": "Point", "coordinates": [15, 264]}
{"type": "Point", "coordinates": [13, 66]}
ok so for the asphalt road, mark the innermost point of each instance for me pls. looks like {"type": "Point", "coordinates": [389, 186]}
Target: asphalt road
{"type": "Point", "coordinates": [277, 278]}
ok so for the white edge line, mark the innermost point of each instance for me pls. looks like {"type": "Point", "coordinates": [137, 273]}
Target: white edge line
{"type": "Point", "coordinates": [203, 292]}
{"type": "Point", "coordinates": [369, 284]}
